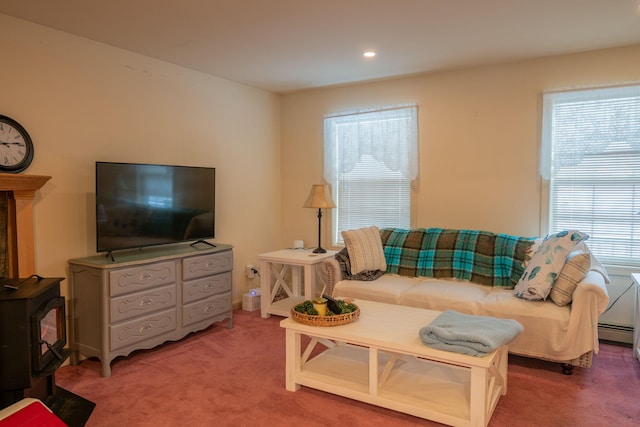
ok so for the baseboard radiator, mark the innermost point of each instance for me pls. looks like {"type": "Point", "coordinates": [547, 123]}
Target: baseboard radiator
{"type": "Point", "coordinates": [618, 333]}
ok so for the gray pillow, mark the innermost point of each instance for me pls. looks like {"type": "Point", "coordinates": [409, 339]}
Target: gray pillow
{"type": "Point", "coordinates": [345, 267]}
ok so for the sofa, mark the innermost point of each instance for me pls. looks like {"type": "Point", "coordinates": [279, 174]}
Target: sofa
{"type": "Point", "coordinates": [553, 286]}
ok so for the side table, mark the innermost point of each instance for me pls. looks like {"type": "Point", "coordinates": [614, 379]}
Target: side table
{"type": "Point", "coordinates": [636, 316]}
{"type": "Point", "coordinates": [274, 268]}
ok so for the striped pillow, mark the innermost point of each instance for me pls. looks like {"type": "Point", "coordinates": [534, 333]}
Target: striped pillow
{"type": "Point", "coordinates": [365, 249]}
{"type": "Point", "coordinates": [575, 269]}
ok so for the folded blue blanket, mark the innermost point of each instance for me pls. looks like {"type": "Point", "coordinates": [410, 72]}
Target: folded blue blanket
{"type": "Point", "coordinates": [468, 334]}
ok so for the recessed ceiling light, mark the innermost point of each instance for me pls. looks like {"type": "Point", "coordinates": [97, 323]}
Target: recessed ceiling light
{"type": "Point", "coordinates": [369, 54]}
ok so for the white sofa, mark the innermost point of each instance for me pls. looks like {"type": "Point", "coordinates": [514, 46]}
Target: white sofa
{"type": "Point", "coordinates": [566, 334]}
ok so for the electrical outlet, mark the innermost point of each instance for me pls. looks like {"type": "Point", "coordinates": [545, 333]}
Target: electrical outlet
{"type": "Point", "coordinates": [250, 271]}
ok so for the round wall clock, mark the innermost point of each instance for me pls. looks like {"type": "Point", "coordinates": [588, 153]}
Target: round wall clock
{"type": "Point", "coordinates": [16, 148]}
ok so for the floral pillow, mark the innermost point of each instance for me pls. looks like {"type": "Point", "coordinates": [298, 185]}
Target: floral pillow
{"type": "Point", "coordinates": [546, 264]}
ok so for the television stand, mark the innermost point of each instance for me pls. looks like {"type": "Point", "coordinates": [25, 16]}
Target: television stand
{"type": "Point", "coordinates": [146, 298]}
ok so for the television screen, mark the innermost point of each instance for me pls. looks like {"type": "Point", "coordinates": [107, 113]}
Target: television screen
{"type": "Point", "coordinates": [141, 205]}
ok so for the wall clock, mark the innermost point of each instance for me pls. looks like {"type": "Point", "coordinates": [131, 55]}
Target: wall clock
{"type": "Point", "coordinates": [16, 148]}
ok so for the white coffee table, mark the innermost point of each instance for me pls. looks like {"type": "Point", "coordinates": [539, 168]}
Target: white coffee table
{"type": "Point", "coordinates": [380, 359]}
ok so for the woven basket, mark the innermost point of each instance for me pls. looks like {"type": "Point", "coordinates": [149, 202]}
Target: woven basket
{"type": "Point", "coordinates": [335, 320]}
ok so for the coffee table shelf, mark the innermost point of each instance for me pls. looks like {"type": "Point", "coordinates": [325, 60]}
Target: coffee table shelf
{"type": "Point", "coordinates": [379, 359]}
{"type": "Point", "coordinates": [411, 387]}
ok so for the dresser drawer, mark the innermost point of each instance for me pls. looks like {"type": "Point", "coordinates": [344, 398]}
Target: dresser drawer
{"type": "Point", "coordinates": [132, 305]}
{"type": "Point", "coordinates": [139, 278]}
{"type": "Point", "coordinates": [205, 309]}
{"type": "Point", "coordinates": [142, 328]}
{"type": "Point", "coordinates": [207, 286]}
{"type": "Point", "coordinates": [205, 265]}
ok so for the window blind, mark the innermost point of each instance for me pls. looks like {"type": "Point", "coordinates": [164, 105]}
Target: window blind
{"type": "Point", "coordinates": [370, 160]}
{"type": "Point", "coordinates": [593, 142]}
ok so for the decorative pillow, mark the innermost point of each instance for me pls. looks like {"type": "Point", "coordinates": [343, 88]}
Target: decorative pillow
{"type": "Point", "coordinates": [575, 269]}
{"type": "Point", "coordinates": [546, 264]}
{"type": "Point", "coordinates": [345, 267]}
{"type": "Point", "coordinates": [365, 249]}
{"type": "Point", "coordinates": [533, 249]}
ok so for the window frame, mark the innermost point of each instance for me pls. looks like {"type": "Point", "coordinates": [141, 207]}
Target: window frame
{"type": "Point", "coordinates": [547, 175]}
{"type": "Point", "coordinates": [408, 170]}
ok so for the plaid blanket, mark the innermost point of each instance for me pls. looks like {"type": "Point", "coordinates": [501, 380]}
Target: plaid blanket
{"type": "Point", "coordinates": [476, 256]}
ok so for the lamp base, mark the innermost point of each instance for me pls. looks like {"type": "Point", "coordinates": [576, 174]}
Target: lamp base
{"type": "Point", "coordinates": [319, 250]}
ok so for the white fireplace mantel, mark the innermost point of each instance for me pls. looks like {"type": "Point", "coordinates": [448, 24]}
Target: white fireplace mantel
{"type": "Point", "coordinates": [20, 235]}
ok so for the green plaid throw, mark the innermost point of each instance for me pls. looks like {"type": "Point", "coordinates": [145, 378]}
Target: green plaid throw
{"type": "Point", "coordinates": [476, 256]}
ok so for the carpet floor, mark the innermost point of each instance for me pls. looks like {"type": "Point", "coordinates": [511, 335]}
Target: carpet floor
{"type": "Point", "coordinates": [236, 377]}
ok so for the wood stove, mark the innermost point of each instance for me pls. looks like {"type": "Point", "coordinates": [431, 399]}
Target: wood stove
{"type": "Point", "coordinates": [32, 338]}
{"type": "Point", "coordinates": [32, 347]}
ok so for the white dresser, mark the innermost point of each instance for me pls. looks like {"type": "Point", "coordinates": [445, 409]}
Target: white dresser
{"type": "Point", "coordinates": [146, 297]}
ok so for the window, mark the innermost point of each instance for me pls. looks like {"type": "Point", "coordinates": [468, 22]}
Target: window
{"type": "Point", "coordinates": [591, 155]}
{"type": "Point", "coordinates": [371, 157]}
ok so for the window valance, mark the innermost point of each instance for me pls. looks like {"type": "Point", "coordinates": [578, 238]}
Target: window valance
{"type": "Point", "coordinates": [387, 134]}
{"type": "Point", "coordinates": [588, 122]}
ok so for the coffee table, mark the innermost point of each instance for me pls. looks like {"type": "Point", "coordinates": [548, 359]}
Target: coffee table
{"type": "Point", "coordinates": [380, 359]}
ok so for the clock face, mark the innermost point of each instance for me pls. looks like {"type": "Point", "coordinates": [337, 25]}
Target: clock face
{"type": "Point", "coordinates": [16, 148]}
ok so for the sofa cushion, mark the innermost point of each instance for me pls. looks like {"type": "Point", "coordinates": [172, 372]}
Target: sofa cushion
{"type": "Point", "coordinates": [546, 264]}
{"type": "Point", "coordinates": [441, 294]}
{"type": "Point", "coordinates": [365, 249]}
{"type": "Point", "coordinates": [345, 268]}
{"type": "Point", "coordinates": [476, 256]}
{"type": "Point", "coordinates": [387, 288]}
{"type": "Point", "coordinates": [574, 271]}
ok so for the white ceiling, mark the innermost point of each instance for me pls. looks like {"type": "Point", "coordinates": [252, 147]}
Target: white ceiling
{"type": "Point", "coordinates": [285, 45]}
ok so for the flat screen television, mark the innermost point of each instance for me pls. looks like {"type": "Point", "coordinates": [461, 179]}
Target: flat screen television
{"type": "Point", "coordinates": [140, 205]}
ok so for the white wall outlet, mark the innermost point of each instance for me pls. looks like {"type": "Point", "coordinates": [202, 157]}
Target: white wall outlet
{"type": "Point", "coordinates": [250, 271]}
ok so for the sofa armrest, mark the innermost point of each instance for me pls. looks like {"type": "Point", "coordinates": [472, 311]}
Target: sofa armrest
{"type": "Point", "coordinates": [592, 286]}
{"type": "Point", "coordinates": [331, 267]}
{"type": "Point", "coordinates": [590, 300]}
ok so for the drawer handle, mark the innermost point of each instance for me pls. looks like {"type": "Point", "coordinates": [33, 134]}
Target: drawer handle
{"type": "Point", "coordinates": [145, 276]}
{"type": "Point", "coordinates": [209, 308]}
{"type": "Point", "coordinates": [208, 286]}
{"type": "Point", "coordinates": [211, 264]}
{"type": "Point", "coordinates": [145, 328]}
{"type": "Point", "coordinates": [145, 302]}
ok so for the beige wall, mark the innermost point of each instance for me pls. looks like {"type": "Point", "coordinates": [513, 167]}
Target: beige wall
{"type": "Point", "coordinates": [479, 138]}
{"type": "Point", "coordinates": [83, 101]}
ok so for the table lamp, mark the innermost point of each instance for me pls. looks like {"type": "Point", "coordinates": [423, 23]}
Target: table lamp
{"type": "Point", "coordinates": [319, 198]}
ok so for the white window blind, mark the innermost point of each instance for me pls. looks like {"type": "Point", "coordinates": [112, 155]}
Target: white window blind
{"type": "Point", "coordinates": [371, 157]}
{"type": "Point", "coordinates": [591, 154]}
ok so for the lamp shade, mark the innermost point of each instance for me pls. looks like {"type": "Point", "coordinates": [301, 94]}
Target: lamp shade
{"type": "Point", "coordinates": [319, 197]}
